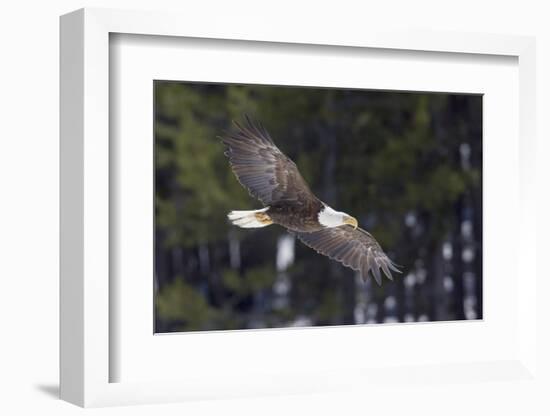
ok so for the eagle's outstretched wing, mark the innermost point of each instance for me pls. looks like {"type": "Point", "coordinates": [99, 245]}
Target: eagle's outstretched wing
{"type": "Point", "coordinates": [261, 167]}
{"type": "Point", "coordinates": [354, 248]}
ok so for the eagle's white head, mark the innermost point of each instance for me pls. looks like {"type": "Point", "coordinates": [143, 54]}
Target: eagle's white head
{"type": "Point", "coordinates": [331, 218]}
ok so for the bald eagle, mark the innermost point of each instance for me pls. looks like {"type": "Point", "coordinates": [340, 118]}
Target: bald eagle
{"type": "Point", "coordinates": [274, 179]}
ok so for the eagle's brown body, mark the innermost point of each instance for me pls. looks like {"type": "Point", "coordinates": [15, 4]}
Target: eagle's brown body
{"type": "Point", "coordinates": [301, 216]}
{"type": "Point", "coordinates": [274, 179]}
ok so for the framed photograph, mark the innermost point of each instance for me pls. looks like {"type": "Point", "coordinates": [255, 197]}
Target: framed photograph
{"type": "Point", "coordinates": [269, 213]}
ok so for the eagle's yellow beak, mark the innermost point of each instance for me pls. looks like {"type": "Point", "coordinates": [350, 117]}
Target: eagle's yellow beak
{"type": "Point", "coordinates": [351, 221]}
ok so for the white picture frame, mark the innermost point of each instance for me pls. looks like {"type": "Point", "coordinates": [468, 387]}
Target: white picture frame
{"type": "Point", "coordinates": [86, 357]}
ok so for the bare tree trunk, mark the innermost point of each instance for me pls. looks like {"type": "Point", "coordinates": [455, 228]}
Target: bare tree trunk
{"type": "Point", "coordinates": [285, 255]}
{"type": "Point", "coordinates": [234, 250]}
{"type": "Point", "coordinates": [204, 258]}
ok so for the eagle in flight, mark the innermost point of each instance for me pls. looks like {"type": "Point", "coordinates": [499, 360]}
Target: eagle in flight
{"type": "Point", "coordinates": [274, 179]}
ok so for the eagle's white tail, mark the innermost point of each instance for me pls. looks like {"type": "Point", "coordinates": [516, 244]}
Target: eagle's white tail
{"type": "Point", "coordinates": [250, 219]}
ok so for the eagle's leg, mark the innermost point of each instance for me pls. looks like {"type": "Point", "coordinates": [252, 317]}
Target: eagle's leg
{"type": "Point", "coordinates": [263, 218]}
{"type": "Point", "coordinates": [250, 219]}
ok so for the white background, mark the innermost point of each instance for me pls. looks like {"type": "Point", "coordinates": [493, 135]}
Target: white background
{"type": "Point", "coordinates": [29, 209]}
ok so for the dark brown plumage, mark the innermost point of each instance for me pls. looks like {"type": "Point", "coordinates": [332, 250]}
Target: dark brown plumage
{"type": "Point", "coordinates": [274, 179]}
{"type": "Point", "coordinates": [354, 248]}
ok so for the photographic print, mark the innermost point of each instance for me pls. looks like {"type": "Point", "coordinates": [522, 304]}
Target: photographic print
{"type": "Point", "coordinates": [284, 206]}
